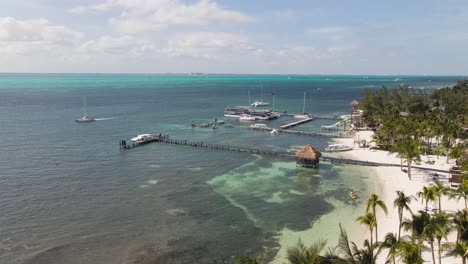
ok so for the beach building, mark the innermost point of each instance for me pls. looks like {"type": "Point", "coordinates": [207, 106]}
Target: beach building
{"type": "Point", "coordinates": [308, 156]}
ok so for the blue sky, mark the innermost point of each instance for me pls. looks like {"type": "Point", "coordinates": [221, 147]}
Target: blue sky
{"type": "Point", "coordinates": [227, 36]}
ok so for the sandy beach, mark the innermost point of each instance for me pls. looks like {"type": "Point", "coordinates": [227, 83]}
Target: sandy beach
{"type": "Point", "coordinates": [391, 179]}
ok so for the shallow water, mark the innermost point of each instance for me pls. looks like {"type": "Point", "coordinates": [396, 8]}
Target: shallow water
{"type": "Point", "coordinates": [69, 195]}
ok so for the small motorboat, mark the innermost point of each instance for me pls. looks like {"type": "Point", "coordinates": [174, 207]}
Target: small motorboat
{"type": "Point", "coordinates": [338, 147]}
{"type": "Point", "coordinates": [274, 131]}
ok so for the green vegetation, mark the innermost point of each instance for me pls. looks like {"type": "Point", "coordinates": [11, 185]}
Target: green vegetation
{"type": "Point", "coordinates": [411, 122]}
{"type": "Point", "coordinates": [423, 227]}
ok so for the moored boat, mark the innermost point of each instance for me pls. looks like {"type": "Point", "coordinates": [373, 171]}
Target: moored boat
{"type": "Point", "coordinates": [338, 147]}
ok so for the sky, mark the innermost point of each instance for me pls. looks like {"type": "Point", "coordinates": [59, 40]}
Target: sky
{"type": "Point", "coordinates": [235, 36]}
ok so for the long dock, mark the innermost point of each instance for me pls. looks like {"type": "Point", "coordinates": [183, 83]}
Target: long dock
{"type": "Point", "coordinates": [268, 152]}
{"type": "Point", "coordinates": [296, 123]}
{"type": "Point", "coordinates": [305, 133]}
{"type": "Point", "coordinates": [314, 116]}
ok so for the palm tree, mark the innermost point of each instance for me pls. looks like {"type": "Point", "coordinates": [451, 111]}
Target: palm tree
{"type": "Point", "coordinates": [430, 229]}
{"type": "Point", "coordinates": [369, 220]}
{"type": "Point", "coordinates": [439, 191]}
{"type": "Point", "coordinates": [409, 253]}
{"type": "Point", "coordinates": [408, 150]}
{"type": "Point", "coordinates": [402, 202]}
{"type": "Point", "coordinates": [416, 225]}
{"type": "Point", "coordinates": [300, 254]}
{"type": "Point", "coordinates": [373, 202]}
{"type": "Point", "coordinates": [461, 192]}
{"type": "Point", "coordinates": [460, 221]}
{"type": "Point", "coordinates": [345, 247]}
{"type": "Point", "coordinates": [367, 255]}
{"type": "Point", "coordinates": [458, 249]}
{"type": "Point", "coordinates": [391, 243]}
{"type": "Point", "coordinates": [426, 194]}
{"type": "Point", "coordinates": [444, 228]}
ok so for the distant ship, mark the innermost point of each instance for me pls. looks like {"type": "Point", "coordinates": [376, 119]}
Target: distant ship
{"type": "Point", "coordinates": [86, 117]}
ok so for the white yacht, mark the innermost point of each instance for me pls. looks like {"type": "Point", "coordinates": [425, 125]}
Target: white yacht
{"type": "Point", "coordinates": [261, 102]}
{"type": "Point", "coordinates": [338, 147]}
{"type": "Point", "coordinates": [86, 117]}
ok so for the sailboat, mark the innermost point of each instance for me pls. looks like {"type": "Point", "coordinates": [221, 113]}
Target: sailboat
{"type": "Point", "coordinates": [304, 115]}
{"type": "Point", "coordinates": [261, 102]}
{"type": "Point", "coordinates": [86, 117]}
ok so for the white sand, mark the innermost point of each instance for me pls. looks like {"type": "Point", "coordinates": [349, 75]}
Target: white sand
{"type": "Point", "coordinates": [391, 179]}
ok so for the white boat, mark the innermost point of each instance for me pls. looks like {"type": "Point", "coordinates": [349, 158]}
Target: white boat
{"type": "Point", "coordinates": [142, 138]}
{"type": "Point", "coordinates": [261, 102]}
{"type": "Point", "coordinates": [247, 118]}
{"type": "Point", "coordinates": [274, 131]}
{"type": "Point", "coordinates": [338, 147]}
{"type": "Point", "coordinates": [303, 115]}
{"type": "Point", "coordinates": [86, 117]}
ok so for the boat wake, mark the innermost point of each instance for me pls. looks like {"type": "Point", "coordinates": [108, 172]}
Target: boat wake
{"type": "Point", "coordinates": [105, 118]}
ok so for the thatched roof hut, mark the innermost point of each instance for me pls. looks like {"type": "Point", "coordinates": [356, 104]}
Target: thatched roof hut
{"type": "Point", "coordinates": [308, 156]}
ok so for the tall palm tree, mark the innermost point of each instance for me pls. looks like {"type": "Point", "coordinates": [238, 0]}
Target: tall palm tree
{"type": "Point", "coordinates": [427, 194]}
{"type": "Point", "coordinates": [373, 202]}
{"type": "Point", "coordinates": [391, 243]}
{"type": "Point", "coordinates": [369, 220]}
{"type": "Point", "coordinates": [460, 221]}
{"type": "Point", "coordinates": [300, 254]}
{"type": "Point", "coordinates": [430, 229]}
{"type": "Point", "coordinates": [444, 227]}
{"type": "Point", "coordinates": [408, 150]}
{"type": "Point", "coordinates": [402, 203]}
{"type": "Point", "coordinates": [461, 192]}
{"type": "Point", "coordinates": [416, 226]}
{"type": "Point", "coordinates": [439, 191]}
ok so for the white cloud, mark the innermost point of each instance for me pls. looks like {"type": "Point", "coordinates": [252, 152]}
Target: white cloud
{"type": "Point", "coordinates": [333, 33]}
{"type": "Point", "coordinates": [208, 45]}
{"type": "Point", "coordinates": [150, 15]}
{"type": "Point", "coordinates": [121, 45]}
{"type": "Point", "coordinates": [25, 36]}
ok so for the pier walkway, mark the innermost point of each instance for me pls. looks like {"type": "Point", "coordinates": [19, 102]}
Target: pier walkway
{"type": "Point", "coordinates": [269, 152]}
{"type": "Point", "coordinates": [296, 123]}
{"type": "Point", "coordinates": [305, 133]}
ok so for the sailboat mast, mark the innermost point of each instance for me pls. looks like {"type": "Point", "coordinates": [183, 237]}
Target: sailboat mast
{"type": "Point", "coordinates": [85, 106]}
{"type": "Point", "coordinates": [273, 108]}
{"type": "Point", "coordinates": [249, 99]}
{"type": "Point", "coordinates": [261, 92]}
{"type": "Point", "coordinates": [303, 104]}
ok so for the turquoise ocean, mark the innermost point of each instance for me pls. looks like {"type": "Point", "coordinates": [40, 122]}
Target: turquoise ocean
{"type": "Point", "coordinates": [68, 194]}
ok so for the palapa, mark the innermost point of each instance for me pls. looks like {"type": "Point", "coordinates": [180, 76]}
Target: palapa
{"type": "Point", "coordinates": [308, 156]}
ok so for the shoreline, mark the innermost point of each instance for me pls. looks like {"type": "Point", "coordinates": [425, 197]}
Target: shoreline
{"type": "Point", "coordinates": [388, 180]}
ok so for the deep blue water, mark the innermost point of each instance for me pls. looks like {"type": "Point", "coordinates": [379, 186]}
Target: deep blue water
{"type": "Point", "coordinates": [70, 195]}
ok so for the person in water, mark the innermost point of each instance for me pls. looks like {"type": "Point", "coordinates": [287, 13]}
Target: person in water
{"type": "Point", "coordinates": [352, 194]}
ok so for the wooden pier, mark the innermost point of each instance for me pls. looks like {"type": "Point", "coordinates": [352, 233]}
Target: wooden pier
{"type": "Point", "coordinates": [305, 133]}
{"type": "Point", "coordinates": [296, 123]}
{"type": "Point", "coordinates": [267, 152]}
